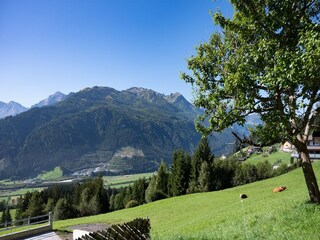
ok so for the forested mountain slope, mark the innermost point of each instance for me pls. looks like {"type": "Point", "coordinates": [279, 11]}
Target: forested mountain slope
{"type": "Point", "coordinates": [126, 131]}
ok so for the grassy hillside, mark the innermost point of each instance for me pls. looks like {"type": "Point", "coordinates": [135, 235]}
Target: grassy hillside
{"type": "Point", "coordinates": [278, 156]}
{"type": "Point", "coordinates": [221, 214]}
{"type": "Point", "coordinates": [56, 173]}
{"type": "Point", "coordinates": [124, 180]}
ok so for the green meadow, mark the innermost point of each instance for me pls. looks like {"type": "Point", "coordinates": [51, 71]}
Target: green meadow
{"type": "Point", "coordinates": [5, 195]}
{"type": "Point", "coordinates": [278, 156]}
{"type": "Point", "coordinates": [124, 180]}
{"type": "Point", "coordinates": [56, 173]}
{"type": "Point", "coordinates": [222, 215]}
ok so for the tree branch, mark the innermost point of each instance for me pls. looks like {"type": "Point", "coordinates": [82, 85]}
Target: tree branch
{"type": "Point", "coordinates": [246, 140]}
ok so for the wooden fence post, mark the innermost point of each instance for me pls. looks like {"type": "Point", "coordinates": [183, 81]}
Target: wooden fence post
{"type": "Point", "coordinates": [29, 220]}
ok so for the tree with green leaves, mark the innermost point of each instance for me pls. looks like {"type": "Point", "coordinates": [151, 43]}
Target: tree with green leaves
{"type": "Point", "coordinates": [63, 210]}
{"type": "Point", "coordinates": [19, 215]}
{"type": "Point", "coordinates": [179, 173]}
{"type": "Point", "coordinates": [138, 190]}
{"type": "Point", "coordinates": [89, 204]}
{"type": "Point", "coordinates": [204, 180]}
{"type": "Point", "coordinates": [151, 189]}
{"type": "Point", "coordinates": [264, 170]}
{"type": "Point", "coordinates": [223, 171]}
{"type": "Point", "coordinates": [2, 205]}
{"type": "Point", "coordinates": [152, 192]}
{"type": "Point", "coordinates": [127, 195]}
{"type": "Point", "coordinates": [265, 60]}
{"type": "Point", "coordinates": [8, 214]}
{"type": "Point", "coordinates": [158, 186]}
{"type": "Point", "coordinates": [202, 154]}
{"type": "Point", "coordinates": [36, 203]}
{"type": "Point", "coordinates": [49, 206]}
{"type": "Point", "coordinates": [102, 198]}
{"type": "Point", "coordinates": [3, 216]}
{"type": "Point", "coordinates": [245, 173]}
{"type": "Point", "coordinates": [118, 200]}
{"type": "Point", "coordinates": [25, 202]}
{"type": "Point", "coordinates": [162, 178]}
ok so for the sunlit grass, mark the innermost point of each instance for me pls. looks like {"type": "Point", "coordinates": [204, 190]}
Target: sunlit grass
{"type": "Point", "coordinates": [56, 173]}
{"type": "Point", "coordinates": [124, 180]}
{"type": "Point", "coordinates": [16, 193]}
{"type": "Point", "coordinates": [221, 214]}
{"type": "Point", "coordinates": [278, 156]}
{"type": "Point", "coordinates": [22, 228]}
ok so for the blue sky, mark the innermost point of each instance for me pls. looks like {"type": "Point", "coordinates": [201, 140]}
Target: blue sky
{"type": "Point", "coordinates": [67, 45]}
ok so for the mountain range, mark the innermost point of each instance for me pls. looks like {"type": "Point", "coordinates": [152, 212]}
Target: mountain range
{"type": "Point", "coordinates": [101, 129]}
{"type": "Point", "coordinates": [13, 108]}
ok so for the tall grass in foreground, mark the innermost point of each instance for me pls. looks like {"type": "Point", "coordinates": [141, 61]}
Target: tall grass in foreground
{"type": "Point", "coordinates": [221, 214]}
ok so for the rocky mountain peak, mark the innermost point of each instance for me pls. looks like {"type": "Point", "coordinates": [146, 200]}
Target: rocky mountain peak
{"type": "Point", "coordinates": [11, 109]}
{"type": "Point", "coordinates": [174, 97]}
{"type": "Point", "coordinates": [51, 100]}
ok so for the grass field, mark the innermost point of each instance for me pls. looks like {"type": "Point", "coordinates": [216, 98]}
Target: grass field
{"type": "Point", "coordinates": [17, 193]}
{"type": "Point", "coordinates": [22, 228]}
{"type": "Point", "coordinates": [277, 156]}
{"type": "Point", "coordinates": [52, 175]}
{"type": "Point", "coordinates": [8, 182]}
{"type": "Point", "coordinates": [221, 214]}
{"type": "Point", "coordinates": [123, 180]}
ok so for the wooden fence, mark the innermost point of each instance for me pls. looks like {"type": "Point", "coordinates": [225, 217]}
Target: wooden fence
{"type": "Point", "coordinates": [29, 226]}
{"type": "Point", "coordinates": [138, 229]}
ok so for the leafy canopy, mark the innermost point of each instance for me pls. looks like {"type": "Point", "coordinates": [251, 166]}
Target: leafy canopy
{"type": "Point", "coordinates": [266, 60]}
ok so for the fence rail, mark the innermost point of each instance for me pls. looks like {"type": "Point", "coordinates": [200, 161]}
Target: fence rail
{"type": "Point", "coordinates": [30, 221]}
{"type": "Point", "coordinates": [14, 224]}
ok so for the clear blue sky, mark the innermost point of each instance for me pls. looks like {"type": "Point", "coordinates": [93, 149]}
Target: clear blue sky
{"type": "Point", "coordinates": [67, 45]}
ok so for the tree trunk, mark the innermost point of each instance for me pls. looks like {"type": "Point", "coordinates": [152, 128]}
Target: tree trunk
{"type": "Point", "coordinates": [309, 175]}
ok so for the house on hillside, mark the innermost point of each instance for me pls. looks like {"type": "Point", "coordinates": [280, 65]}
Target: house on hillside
{"type": "Point", "coordinates": [287, 146]}
{"type": "Point", "coordinates": [313, 146]}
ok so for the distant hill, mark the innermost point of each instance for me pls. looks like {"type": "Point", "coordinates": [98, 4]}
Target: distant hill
{"type": "Point", "coordinates": [11, 109]}
{"type": "Point", "coordinates": [101, 129]}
